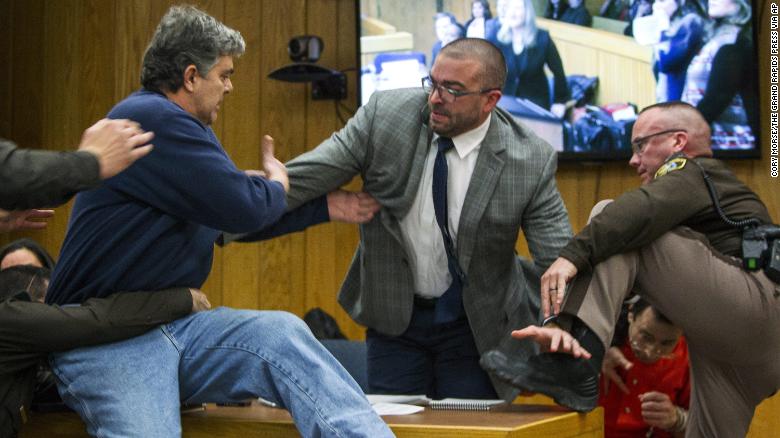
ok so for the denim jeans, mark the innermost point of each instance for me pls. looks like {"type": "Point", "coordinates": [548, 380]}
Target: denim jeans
{"type": "Point", "coordinates": [134, 388]}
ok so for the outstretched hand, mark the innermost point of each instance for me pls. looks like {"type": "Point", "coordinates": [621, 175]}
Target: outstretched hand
{"type": "Point", "coordinates": [553, 340]}
{"type": "Point", "coordinates": [272, 167]}
{"type": "Point", "coordinates": [351, 207]}
{"type": "Point", "coordinates": [553, 285]}
{"type": "Point", "coordinates": [23, 219]}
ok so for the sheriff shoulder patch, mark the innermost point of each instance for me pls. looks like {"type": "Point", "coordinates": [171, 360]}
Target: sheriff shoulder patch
{"type": "Point", "coordinates": [671, 166]}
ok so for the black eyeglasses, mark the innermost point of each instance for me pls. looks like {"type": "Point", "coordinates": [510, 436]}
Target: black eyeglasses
{"type": "Point", "coordinates": [638, 144]}
{"type": "Point", "coordinates": [447, 94]}
{"type": "Point", "coordinates": [659, 351]}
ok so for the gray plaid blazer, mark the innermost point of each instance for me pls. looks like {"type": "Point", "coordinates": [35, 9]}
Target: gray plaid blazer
{"type": "Point", "coordinates": [512, 189]}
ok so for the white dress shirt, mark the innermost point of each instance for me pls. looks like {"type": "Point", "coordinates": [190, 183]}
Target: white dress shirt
{"type": "Point", "coordinates": [421, 233]}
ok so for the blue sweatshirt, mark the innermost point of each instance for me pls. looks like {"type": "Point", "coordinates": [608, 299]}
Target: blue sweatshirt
{"type": "Point", "coordinates": [154, 225]}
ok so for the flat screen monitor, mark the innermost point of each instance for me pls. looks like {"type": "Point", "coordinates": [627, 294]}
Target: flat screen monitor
{"type": "Point", "coordinates": [607, 74]}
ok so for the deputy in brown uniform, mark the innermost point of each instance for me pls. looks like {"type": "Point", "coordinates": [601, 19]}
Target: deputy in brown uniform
{"type": "Point", "coordinates": [666, 241]}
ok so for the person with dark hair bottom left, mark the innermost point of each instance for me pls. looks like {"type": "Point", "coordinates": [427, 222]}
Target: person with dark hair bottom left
{"type": "Point", "coordinates": [645, 377]}
{"type": "Point", "coordinates": [25, 252]}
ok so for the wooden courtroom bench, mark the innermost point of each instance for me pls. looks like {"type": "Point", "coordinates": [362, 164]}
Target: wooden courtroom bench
{"type": "Point", "coordinates": [515, 421]}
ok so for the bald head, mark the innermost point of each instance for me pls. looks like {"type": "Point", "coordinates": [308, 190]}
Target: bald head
{"type": "Point", "coordinates": [663, 130]}
{"type": "Point", "coordinates": [492, 60]}
{"type": "Point", "coordinates": [671, 115]}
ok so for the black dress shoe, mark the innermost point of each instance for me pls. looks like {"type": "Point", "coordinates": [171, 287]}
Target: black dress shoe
{"type": "Point", "coordinates": [571, 382]}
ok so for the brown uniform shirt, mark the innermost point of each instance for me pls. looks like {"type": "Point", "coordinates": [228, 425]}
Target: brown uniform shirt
{"type": "Point", "coordinates": [678, 198]}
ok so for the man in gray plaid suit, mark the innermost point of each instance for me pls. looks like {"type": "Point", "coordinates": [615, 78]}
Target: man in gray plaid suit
{"type": "Point", "coordinates": [498, 180]}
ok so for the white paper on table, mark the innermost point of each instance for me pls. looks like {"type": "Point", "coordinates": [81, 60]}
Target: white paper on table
{"type": "Point", "coordinates": [392, 398]}
{"type": "Point", "coordinates": [396, 409]}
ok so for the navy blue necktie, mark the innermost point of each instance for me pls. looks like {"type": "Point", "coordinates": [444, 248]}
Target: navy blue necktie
{"type": "Point", "coordinates": [449, 306]}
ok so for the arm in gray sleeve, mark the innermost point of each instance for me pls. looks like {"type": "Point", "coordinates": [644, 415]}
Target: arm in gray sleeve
{"type": "Point", "coordinates": [546, 222]}
{"type": "Point", "coordinates": [334, 162]}
{"type": "Point", "coordinates": [32, 179]}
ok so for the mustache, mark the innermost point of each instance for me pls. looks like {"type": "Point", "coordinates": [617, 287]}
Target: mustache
{"type": "Point", "coordinates": [439, 109]}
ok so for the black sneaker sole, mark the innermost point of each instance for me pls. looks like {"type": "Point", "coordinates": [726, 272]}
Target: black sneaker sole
{"type": "Point", "coordinates": [562, 395]}
{"type": "Point", "coordinates": [521, 377]}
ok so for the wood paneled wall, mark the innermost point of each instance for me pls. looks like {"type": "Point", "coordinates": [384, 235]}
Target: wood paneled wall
{"type": "Point", "coordinates": [68, 62]}
{"type": "Point", "coordinates": [65, 63]}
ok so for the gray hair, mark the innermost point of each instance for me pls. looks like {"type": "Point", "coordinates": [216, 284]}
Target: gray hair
{"type": "Point", "coordinates": [186, 36]}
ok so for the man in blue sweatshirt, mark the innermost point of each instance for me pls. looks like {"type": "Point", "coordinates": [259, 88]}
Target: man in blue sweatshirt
{"type": "Point", "coordinates": [154, 227]}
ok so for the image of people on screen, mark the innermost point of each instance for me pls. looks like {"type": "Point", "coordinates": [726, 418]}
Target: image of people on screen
{"type": "Point", "coordinates": [678, 44]}
{"type": "Point", "coordinates": [476, 26]}
{"type": "Point", "coordinates": [569, 11]}
{"type": "Point", "coordinates": [698, 51]}
{"type": "Point", "coordinates": [720, 80]}
{"type": "Point", "coordinates": [528, 50]}
{"type": "Point", "coordinates": [447, 30]}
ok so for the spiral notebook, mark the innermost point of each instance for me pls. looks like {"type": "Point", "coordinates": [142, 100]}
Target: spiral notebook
{"type": "Point", "coordinates": [457, 404]}
{"type": "Point", "coordinates": [464, 404]}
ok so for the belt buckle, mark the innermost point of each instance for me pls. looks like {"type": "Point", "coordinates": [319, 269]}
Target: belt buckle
{"type": "Point", "coordinates": [424, 303]}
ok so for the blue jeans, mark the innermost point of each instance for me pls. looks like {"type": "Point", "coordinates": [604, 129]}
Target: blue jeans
{"type": "Point", "coordinates": [134, 388]}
